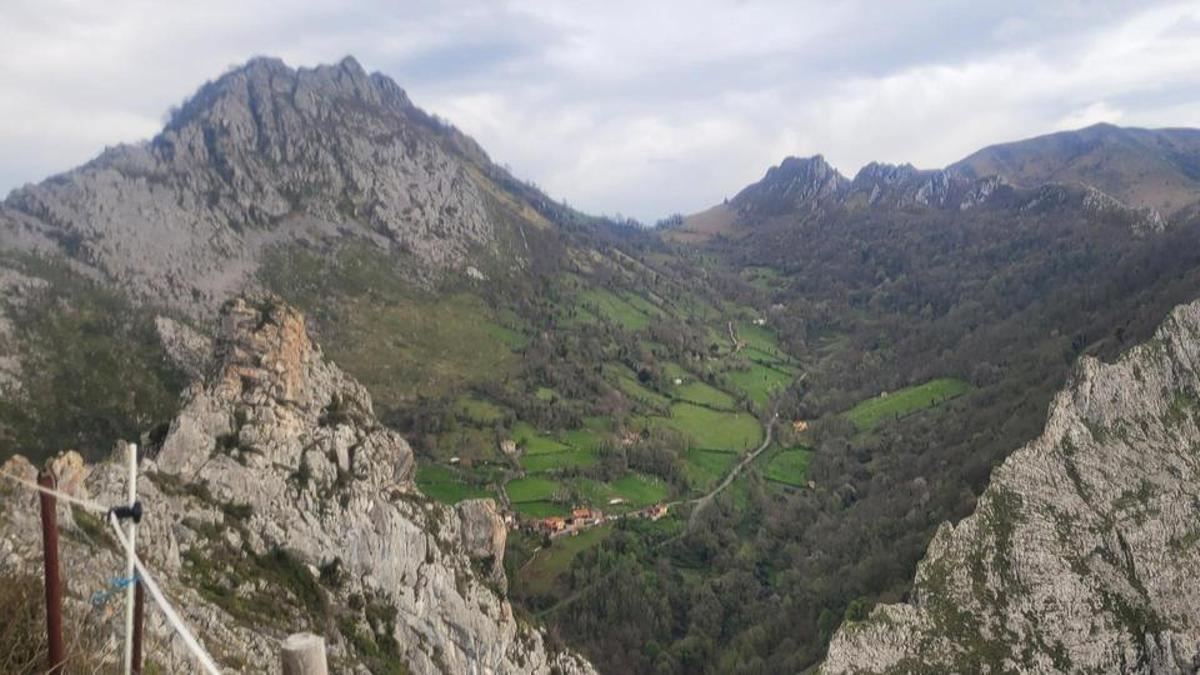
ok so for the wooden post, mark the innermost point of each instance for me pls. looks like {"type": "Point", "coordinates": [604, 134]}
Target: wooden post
{"type": "Point", "coordinates": [139, 603]}
{"type": "Point", "coordinates": [304, 654]}
{"type": "Point", "coordinates": [54, 632]}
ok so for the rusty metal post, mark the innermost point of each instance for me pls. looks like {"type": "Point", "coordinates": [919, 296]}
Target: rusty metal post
{"type": "Point", "coordinates": [139, 599]}
{"type": "Point", "coordinates": [54, 631]}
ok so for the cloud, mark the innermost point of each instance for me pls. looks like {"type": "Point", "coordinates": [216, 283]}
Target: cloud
{"type": "Point", "coordinates": [621, 106]}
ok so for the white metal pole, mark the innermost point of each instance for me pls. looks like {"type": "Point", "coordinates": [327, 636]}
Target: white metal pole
{"type": "Point", "coordinates": [129, 568]}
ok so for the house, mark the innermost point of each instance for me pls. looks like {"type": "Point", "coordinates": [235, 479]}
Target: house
{"type": "Point", "coordinates": [455, 460]}
{"type": "Point", "coordinates": [616, 500]}
{"type": "Point", "coordinates": [760, 322]}
{"type": "Point", "coordinates": [657, 511]}
{"type": "Point", "coordinates": [551, 524]}
{"type": "Point", "coordinates": [586, 515]}
{"type": "Point", "coordinates": [799, 425]}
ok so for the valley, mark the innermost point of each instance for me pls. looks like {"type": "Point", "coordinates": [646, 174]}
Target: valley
{"type": "Point", "coordinates": [710, 444]}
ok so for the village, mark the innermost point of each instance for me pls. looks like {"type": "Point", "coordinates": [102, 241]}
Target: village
{"type": "Point", "coordinates": [581, 518]}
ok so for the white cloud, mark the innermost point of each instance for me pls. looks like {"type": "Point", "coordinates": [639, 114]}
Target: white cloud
{"type": "Point", "coordinates": [623, 106]}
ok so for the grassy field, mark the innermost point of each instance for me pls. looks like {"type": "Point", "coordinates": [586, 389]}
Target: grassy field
{"type": "Point", "coordinates": [541, 575]}
{"type": "Point", "coordinates": [558, 460]}
{"type": "Point", "coordinates": [639, 490]}
{"type": "Point", "coordinates": [480, 411]}
{"type": "Point", "coordinates": [540, 509]}
{"type": "Point", "coordinates": [628, 384]}
{"type": "Point", "coordinates": [513, 338]}
{"type": "Point", "coordinates": [447, 485]}
{"type": "Point", "coordinates": [871, 412]}
{"type": "Point", "coordinates": [397, 340]}
{"type": "Point", "coordinates": [532, 489]}
{"type": "Point", "coordinates": [700, 392]}
{"type": "Point", "coordinates": [789, 466]}
{"type": "Point", "coordinates": [533, 442]}
{"type": "Point", "coordinates": [615, 308]}
{"type": "Point", "coordinates": [712, 430]}
{"type": "Point", "coordinates": [703, 468]}
{"type": "Point", "coordinates": [758, 382]}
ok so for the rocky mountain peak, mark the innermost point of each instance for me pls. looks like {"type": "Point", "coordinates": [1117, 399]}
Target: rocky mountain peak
{"type": "Point", "coordinates": [263, 156]}
{"type": "Point", "coordinates": [801, 183]}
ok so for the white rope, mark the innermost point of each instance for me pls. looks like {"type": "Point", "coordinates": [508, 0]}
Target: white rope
{"type": "Point", "coordinates": [94, 507]}
{"type": "Point", "coordinates": [172, 617]}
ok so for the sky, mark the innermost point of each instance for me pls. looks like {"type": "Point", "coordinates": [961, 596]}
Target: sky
{"type": "Point", "coordinates": [637, 108]}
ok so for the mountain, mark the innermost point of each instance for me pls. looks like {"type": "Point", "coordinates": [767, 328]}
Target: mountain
{"type": "Point", "coordinates": [267, 155]}
{"type": "Point", "coordinates": [1155, 169]}
{"type": "Point", "coordinates": [1081, 555]}
{"type": "Point", "coordinates": [277, 503]}
{"type": "Point", "coordinates": [910, 328]}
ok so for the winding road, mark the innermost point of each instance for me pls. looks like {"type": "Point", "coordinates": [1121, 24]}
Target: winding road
{"type": "Point", "coordinates": [703, 501]}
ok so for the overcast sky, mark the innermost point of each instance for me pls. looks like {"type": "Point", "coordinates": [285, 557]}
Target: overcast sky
{"type": "Point", "coordinates": [635, 107]}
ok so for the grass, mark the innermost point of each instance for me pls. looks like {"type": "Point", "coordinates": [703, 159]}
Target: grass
{"type": "Point", "coordinates": [639, 490]}
{"type": "Point", "coordinates": [396, 339]}
{"type": "Point", "coordinates": [584, 438]}
{"type": "Point", "coordinates": [632, 388]}
{"type": "Point", "coordinates": [532, 489]}
{"type": "Point", "coordinates": [705, 394]}
{"type": "Point", "coordinates": [759, 382]}
{"type": "Point", "coordinates": [541, 575]}
{"type": "Point", "coordinates": [540, 509]}
{"type": "Point", "coordinates": [446, 485]}
{"type": "Point", "coordinates": [636, 489]}
{"type": "Point", "coordinates": [869, 413]}
{"type": "Point", "coordinates": [615, 308]}
{"type": "Point", "coordinates": [534, 442]}
{"type": "Point", "coordinates": [761, 338]}
{"type": "Point", "coordinates": [703, 468]}
{"type": "Point", "coordinates": [480, 411]}
{"type": "Point", "coordinates": [514, 339]}
{"type": "Point", "coordinates": [789, 466]}
{"type": "Point", "coordinates": [713, 430]}
{"type": "Point", "coordinates": [557, 460]}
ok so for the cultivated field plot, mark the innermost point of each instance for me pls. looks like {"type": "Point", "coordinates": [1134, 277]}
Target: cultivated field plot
{"type": "Point", "coordinates": [759, 382]}
{"type": "Point", "coordinates": [532, 489]}
{"type": "Point", "coordinates": [447, 485]}
{"type": "Point", "coordinates": [789, 466]}
{"type": "Point", "coordinates": [699, 392]}
{"type": "Point", "coordinates": [541, 574]}
{"type": "Point", "coordinates": [635, 489]}
{"type": "Point", "coordinates": [869, 413]}
{"type": "Point", "coordinates": [703, 468]}
{"type": "Point", "coordinates": [712, 429]}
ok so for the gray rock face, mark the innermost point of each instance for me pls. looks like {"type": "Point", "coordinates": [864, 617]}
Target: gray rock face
{"type": "Point", "coordinates": [278, 504]}
{"type": "Point", "coordinates": [264, 154]}
{"type": "Point", "coordinates": [1083, 553]}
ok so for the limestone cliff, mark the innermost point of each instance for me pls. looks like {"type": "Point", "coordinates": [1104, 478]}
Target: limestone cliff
{"type": "Point", "coordinates": [1083, 554]}
{"type": "Point", "coordinates": [276, 503]}
{"type": "Point", "coordinates": [267, 155]}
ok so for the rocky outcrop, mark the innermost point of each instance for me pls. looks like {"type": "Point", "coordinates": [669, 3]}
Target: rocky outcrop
{"type": "Point", "coordinates": [267, 154]}
{"type": "Point", "coordinates": [796, 185]}
{"type": "Point", "coordinates": [1083, 552]}
{"type": "Point", "coordinates": [276, 504]}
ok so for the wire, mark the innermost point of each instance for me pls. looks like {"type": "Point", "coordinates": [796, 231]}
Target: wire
{"type": "Point", "coordinates": [95, 507]}
{"type": "Point", "coordinates": [172, 617]}
{"type": "Point", "coordinates": [143, 574]}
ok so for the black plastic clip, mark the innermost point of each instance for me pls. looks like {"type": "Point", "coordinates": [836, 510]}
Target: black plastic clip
{"type": "Point", "coordinates": [125, 512]}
